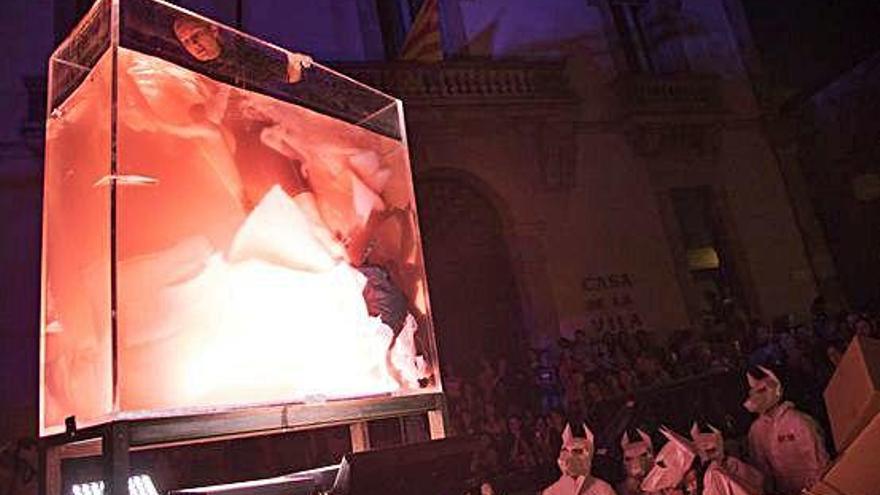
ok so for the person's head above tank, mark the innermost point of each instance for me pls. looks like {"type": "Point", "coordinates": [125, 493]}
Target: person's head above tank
{"type": "Point", "coordinates": [204, 41]}
{"type": "Point", "coordinates": [199, 38]}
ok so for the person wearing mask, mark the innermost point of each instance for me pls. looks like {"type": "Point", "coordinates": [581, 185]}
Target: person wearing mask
{"type": "Point", "coordinates": [575, 461]}
{"type": "Point", "coordinates": [784, 443]}
{"type": "Point", "coordinates": [677, 469]}
{"type": "Point", "coordinates": [710, 447]}
{"type": "Point", "coordinates": [638, 457]}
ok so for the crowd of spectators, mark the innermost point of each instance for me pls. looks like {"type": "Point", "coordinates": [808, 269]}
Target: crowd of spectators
{"type": "Point", "coordinates": [612, 381]}
{"type": "Point", "coordinates": [518, 410]}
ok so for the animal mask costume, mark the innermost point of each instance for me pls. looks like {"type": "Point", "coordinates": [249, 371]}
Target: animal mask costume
{"type": "Point", "coordinates": [576, 454]}
{"type": "Point", "coordinates": [672, 463]}
{"type": "Point", "coordinates": [638, 455]}
{"type": "Point", "coordinates": [710, 446]}
{"type": "Point", "coordinates": [764, 392]}
{"type": "Point", "coordinates": [575, 461]}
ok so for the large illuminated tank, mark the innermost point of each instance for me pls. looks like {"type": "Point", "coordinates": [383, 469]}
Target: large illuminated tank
{"type": "Point", "coordinates": [224, 225]}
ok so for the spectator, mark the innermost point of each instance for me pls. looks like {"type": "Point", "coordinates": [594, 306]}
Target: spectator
{"type": "Point", "coordinates": [863, 327]}
{"type": "Point", "coordinates": [451, 383]}
{"type": "Point", "coordinates": [487, 488]}
{"type": "Point", "coordinates": [493, 424]}
{"type": "Point", "coordinates": [518, 445]}
{"type": "Point", "coordinates": [834, 354]}
{"type": "Point", "coordinates": [575, 391]}
{"type": "Point", "coordinates": [543, 444]}
{"type": "Point", "coordinates": [612, 386]}
{"type": "Point", "coordinates": [765, 351]}
{"type": "Point", "coordinates": [594, 393]}
{"type": "Point", "coordinates": [593, 375]}
{"type": "Point", "coordinates": [489, 377]}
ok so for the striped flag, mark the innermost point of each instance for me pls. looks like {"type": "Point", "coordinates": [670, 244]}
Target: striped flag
{"type": "Point", "coordinates": [423, 42]}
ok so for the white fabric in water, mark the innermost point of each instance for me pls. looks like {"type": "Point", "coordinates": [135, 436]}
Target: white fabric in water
{"type": "Point", "coordinates": [278, 231]}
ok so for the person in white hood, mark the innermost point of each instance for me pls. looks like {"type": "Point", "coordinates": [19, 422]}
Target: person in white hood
{"type": "Point", "coordinates": [575, 461]}
{"type": "Point", "coordinates": [725, 474]}
{"type": "Point", "coordinates": [677, 469]}
{"type": "Point", "coordinates": [638, 457]}
{"type": "Point", "coordinates": [784, 443]}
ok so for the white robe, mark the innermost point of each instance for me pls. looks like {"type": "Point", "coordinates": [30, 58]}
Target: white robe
{"type": "Point", "coordinates": [749, 476]}
{"type": "Point", "coordinates": [632, 486]}
{"type": "Point", "coordinates": [719, 481]}
{"type": "Point", "coordinates": [582, 485]}
{"type": "Point", "coordinates": [787, 446]}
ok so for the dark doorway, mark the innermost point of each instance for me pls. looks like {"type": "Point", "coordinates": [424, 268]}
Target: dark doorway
{"type": "Point", "coordinates": [474, 296]}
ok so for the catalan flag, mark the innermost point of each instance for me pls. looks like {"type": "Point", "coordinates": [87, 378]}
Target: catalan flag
{"type": "Point", "coordinates": [423, 43]}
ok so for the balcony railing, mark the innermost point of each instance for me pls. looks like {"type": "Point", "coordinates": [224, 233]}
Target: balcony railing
{"type": "Point", "coordinates": [647, 94]}
{"type": "Point", "coordinates": [461, 81]}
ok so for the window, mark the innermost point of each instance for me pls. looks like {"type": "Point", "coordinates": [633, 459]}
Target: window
{"type": "Point", "coordinates": [395, 19]}
{"type": "Point", "coordinates": [707, 252]}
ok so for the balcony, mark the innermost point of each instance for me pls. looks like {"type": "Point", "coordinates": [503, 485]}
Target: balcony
{"type": "Point", "coordinates": [463, 82]}
{"type": "Point", "coordinates": [646, 95]}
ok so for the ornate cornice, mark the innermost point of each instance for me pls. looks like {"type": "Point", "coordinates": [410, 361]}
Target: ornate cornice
{"type": "Point", "coordinates": [467, 82]}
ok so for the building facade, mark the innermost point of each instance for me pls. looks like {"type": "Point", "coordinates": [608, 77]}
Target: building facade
{"type": "Point", "coordinates": [586, 164]}
{"type": "Point", "coordinates": [833, 138]}
{"type": "Point", "coordinates": [624, 151]}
